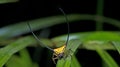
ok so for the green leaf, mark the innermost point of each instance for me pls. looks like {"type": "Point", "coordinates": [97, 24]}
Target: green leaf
{"type": "Point", "coordinates": [7, 1]}
{"type": "Point", "coordinates": [7, 51]}
{"type": "Point", "coordinates": [89, 38]}
{"type": "Point", "coordinates": [14, 61]}
{"type": "Point", "coordinates": [23, 60]}
{"type": "Point", "coordinates": [72, 46]}
{"type": "Point", "coordinates": [117, 45]}
{"type": "Point", "coordinates": [95, 35]}
{"type": "Point", "coordinates": [22, 27]}
{"type": "Point", "coordinates": [74, 62]}
{"type": "Point", "coordinates": [64, 62]}
{"type": "Point", "coordinates": [106, 57]}
{"type": "Point", "coordinates": [67, 62]}
{"type": "Point", "coordinates": [100, 7]}
{"type": "Point", "coordinates": [60, 63]}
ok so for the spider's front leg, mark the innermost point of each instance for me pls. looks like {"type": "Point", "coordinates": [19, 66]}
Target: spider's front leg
{"type": "Point", "coordinates": [54, 57]}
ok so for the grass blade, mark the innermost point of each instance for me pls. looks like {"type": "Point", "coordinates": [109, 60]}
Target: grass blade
{"type": "Point", "coordinates": [7, 51]}
{"type": "Point", "coordinates": [23, 60]}
{"type": "Point", "coordinates": [117, 45]}
{"type": "Point", "coordinates": [74, 62]}
{"type": "Point", "coordinates": [100, 7]}
{"type": "Point", "coordinates": [60, 63]}
{"type": "Point", "coordinates": [89, 38]}
{"type": "Point", "coordinates": [64, 62]}
{"type": "Point", "coordinates": [21, 28]}
{"type": "Point", "coordinates": [14, 61]}
{"type": "Point", "coordinates": [67, 62]}
{"type": "Point", "coordinates": [106, 57]}
{"type": "Point", "coordinates": [7, 1]}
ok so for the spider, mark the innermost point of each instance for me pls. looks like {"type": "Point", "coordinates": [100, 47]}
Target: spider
{"type": "Point", "coordinates": [58, 53]}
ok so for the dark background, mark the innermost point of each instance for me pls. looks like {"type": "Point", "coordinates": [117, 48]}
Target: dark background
{"type": "Point", "coordinates": [11, 13]}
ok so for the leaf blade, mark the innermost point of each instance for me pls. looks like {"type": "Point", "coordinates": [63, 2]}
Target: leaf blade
{"type": "Point", "coordinates": [117, 45]}
{"type": "Point", "coordinates": [9, 50]}
{"type": "Point", "coordinates": [106, 57]}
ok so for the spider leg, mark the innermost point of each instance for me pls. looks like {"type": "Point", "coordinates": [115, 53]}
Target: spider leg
{"type": "Point", "coordinates": [54, 58]}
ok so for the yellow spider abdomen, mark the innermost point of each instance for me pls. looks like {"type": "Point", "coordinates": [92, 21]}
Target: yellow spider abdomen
{"type": "Point", "coordinates": [59, 50]}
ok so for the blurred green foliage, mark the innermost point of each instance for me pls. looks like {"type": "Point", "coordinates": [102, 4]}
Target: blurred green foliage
{"type": "Point", "coordinates": [99, 41]}
{"type": "Point", "coordinates": [7, 1]}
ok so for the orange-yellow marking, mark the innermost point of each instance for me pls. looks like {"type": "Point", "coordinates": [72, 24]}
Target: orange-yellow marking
{"type": "Point", "coordinates": [59, 50]}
